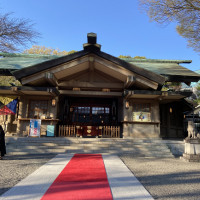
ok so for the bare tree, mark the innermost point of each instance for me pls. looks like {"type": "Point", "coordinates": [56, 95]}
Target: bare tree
{"type": "Point", "coordinates": [185, 12]}
{"type": "Point", "coordinates": [15, 32]}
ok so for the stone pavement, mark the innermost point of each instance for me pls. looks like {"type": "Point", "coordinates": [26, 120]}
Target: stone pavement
{"type": "Point", "coordinates": [123, 183]}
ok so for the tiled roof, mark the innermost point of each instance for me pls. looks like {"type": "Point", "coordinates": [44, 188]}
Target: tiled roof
{"type": "Point", "coordinates": [163, 67]}
{"type": "Point", "coordinates": [16, 61]}
{"type": "Point", "coordinates": [167, 68]}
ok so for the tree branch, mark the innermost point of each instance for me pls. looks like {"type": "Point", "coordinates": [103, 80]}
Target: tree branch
{"type": "Point", "coordinates": [192, 5]}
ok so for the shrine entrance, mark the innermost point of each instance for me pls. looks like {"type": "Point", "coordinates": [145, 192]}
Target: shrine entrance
{"type": "Point", "coordinates": [90, 117]}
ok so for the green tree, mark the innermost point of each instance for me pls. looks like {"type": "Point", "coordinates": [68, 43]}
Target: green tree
{"type": "Point", "coordinates": [9, 81]}
{"type": "Point", "coordinates": [185, 12]}
{"type": "Point", "coordinates": [174, 86]}
{"type": "Point", "coordinates": [15, 32]}
{"type": "Point", "coordinates": [35, 49]}
{"type": "Point", "coordinates": [122, 56]}
{"type": "Point", "coordinates": [136, 57]}
{"type": "Point", "coordinates": [139, 57]}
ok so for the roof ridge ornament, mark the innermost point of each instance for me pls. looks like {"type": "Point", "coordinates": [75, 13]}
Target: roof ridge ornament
{"type": "Point", "coordinates": [91, 44]}
{"type": "Point", "coordinates": [92, 38]}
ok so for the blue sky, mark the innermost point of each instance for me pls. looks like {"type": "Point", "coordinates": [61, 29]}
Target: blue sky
{"type": "Point", "coordinates": [121, 27]}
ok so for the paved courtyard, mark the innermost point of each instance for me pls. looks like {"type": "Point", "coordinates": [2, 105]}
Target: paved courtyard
{"type": "Point", "coordinates": [123, 183]}
{"type": "Point", "coordinates": [163, 178]}
{"type": "Point", "coordinates": [14, 168]}
{"type": "Point", "coordinates": [169, 178]}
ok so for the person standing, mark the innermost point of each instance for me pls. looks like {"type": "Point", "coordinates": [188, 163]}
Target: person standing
{"type": "Point", "coordinates": [2, 143]}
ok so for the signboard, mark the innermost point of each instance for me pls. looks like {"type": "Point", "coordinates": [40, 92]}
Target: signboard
{"type": "Point", "coordinates": [50, 130]}
{"type": "Point", "coordinates": [141, 116]}
{"type": "Point", "coordinates": [35, 127]}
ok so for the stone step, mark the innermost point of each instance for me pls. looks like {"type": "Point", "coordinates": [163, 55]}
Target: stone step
{"type": "Point", "coordinates": [102, 145]}
{"type": "Point", "coordinates": [84, 143]}
{"type": "Point", "coordinates": [10, 149]}
{"type": "Point", "coordinates": [83, 140]}
{"type": "Point", "coordinates": [88, 146]}
{"type": "Point", "coordinates": [138, 148]}
{"type": "Point", "coordinates": [38, 151]}
{"type": "Point", "coordinates": [64, 141]}
{"type": "Point", "coordinates": [71, 149]}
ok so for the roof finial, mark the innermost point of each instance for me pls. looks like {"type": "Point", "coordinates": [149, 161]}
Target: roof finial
{"type": "Point", "coordinates": [92, 45]}
{"type": "Point", "coordinates": [92, 38]}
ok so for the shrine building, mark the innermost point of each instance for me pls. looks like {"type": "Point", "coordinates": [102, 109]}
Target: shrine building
{"type": "Point", "coordinates": [91, 93]}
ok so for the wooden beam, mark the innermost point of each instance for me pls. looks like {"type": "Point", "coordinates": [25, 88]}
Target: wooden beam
{"type": "Point", "coordinates": [57, 69]}
{"type": "Point", "coordinates": [78, 84]}
{"type": "Point", "coordinates": [146, 94]}
{"type": "Point", "coordinates": [113, 66]}
{"type": "Point", "coordinates": [15, 89]}
{"type": "Point", "coordinates": [146, 82]}
{"type": "Point", "coordinates": [111, 70]}
{"type": "Point", "coordinates": [29, 79]}
{"type": "Point", "coordinates": [73, 76]}
{"type": "Point", "coordinates": [24, 90]}
{"type": "Point", "coordinates": [129, 82]}
{"type": "Point", "coordinates": [90, 93]}
{"type": "Point", "coordinates": [69, 65]}
{"type": "Point", "coordinates": [122, 74]}
{"type": "Point", "coordinates": [108, 77]}
{"type": "Point", "coordinates": [127, 94]}
{"type": "Point", "coordinates": [91, 68]}
{"type": "Point", "coordinates": [50, 78]}
{"type": "Point", "coordinates": [53, 91]}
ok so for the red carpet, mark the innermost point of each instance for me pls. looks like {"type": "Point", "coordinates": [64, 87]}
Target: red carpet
{"type": "Point", "coordinates": [84, 177]}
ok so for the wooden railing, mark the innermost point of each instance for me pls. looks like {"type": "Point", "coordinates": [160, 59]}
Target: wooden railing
{"type": "Point", "coordinates": [111, 131]}
{"type": "Point", "coordinates": [67, 131]}
{"type": "Point", "coordinates": [106, 131]}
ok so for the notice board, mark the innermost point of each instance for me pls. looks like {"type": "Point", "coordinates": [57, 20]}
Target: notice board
{"type": "Point", "coordinates": [35, 125]}
{"type": "Point", "coordinates": [50, 130]}
{"type": "Point", "coordinates": [141, 116]}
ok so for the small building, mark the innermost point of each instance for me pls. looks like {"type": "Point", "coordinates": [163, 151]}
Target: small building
{"type": "Point", "coordinates": [92, 93]}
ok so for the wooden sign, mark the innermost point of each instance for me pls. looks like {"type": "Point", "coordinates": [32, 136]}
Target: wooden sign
{"type": "Point", "coordinates": [141, 116]}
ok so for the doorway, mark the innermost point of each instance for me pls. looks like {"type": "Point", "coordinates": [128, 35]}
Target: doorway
{"type": "Point", "coordinates": [90, 116]}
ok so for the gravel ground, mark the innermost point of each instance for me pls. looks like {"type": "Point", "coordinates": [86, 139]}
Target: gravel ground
{"type": "Point", "coordinates": [169, 178]}
{"type": "Point", "coordinates": [163, 178]}
{"type": "Point", "coordinates": [15, 168]}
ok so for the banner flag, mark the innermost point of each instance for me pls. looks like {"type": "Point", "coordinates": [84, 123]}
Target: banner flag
{"type": "Point", "coordinates": [8, 105]}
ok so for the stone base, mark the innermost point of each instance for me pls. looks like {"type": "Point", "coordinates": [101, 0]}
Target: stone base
{"type": "Point", "coordinates": [192, 146]}
{"type": "Point", "coordinates": [191, 157]}
{"type": "Point", "coordinates": [192, 150]}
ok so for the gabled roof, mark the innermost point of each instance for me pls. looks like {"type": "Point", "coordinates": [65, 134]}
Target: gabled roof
{"type": "Point", "coordinates": [22, 65]}
{"type": "Point", "coordinates": [88, 49]}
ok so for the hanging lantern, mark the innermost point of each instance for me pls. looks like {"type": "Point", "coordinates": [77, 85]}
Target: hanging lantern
{"type": "Point", "coordinates": [127, 104]}
{"type": "Point", "coordinates": [53, 102]}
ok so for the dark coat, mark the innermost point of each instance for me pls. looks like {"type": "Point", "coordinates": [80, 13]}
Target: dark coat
{"type": "Point", "coordinates": [2, 142]}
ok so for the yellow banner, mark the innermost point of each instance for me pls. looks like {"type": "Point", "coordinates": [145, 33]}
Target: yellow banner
{"type": "Point", "coordinates": [6, 100]}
